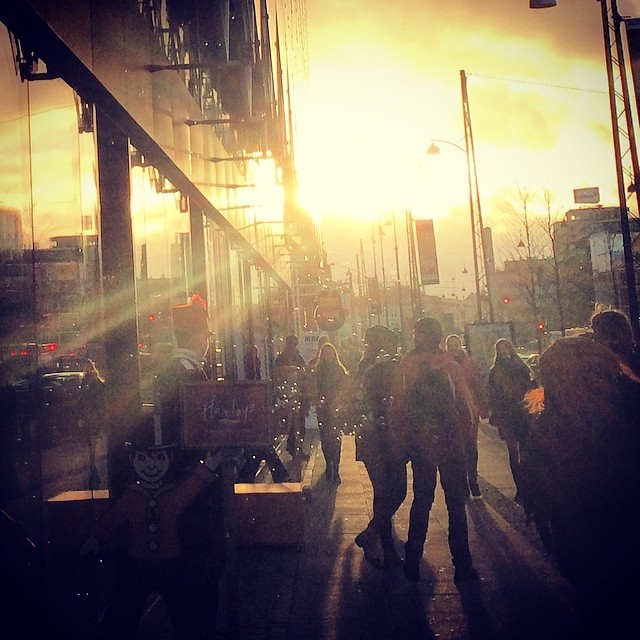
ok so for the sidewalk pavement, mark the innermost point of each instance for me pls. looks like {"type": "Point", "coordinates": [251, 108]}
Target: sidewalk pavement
{"type": "Point", "coordinates": [324, 590]}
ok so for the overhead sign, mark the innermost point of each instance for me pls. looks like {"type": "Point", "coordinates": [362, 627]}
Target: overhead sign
{"type": "Point", "coordinates": [427, 256]}
{"type": "Point", "coordinates": [590, 195]}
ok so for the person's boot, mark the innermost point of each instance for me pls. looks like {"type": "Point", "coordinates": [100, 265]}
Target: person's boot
{"type": "Point", "coordinates": [411, 565]}
{"type": "Point", "coordinates": [367, 540]}
{"type": "Point", "coordinates": [474, 488]}
{"type": "Point", "coordinates": [466, 573]}
{"type": "Point", "coordinates": [391, 559]}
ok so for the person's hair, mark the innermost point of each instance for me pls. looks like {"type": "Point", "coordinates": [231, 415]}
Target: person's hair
{"type": "Point", "coordinates": [613, 329]}
{"type": "Point", "coordinates": [323, 359]}
{"type": "Point", "coordinates": [453, 336]}
{"type": "Point", "coordinates": [510, 347]}
{"type": "Point", "coordinates": [431, 329]}
{"type": "Point", "coordinates": [380, 337]}
{"type": "Point", "coordinates": [291, 342]}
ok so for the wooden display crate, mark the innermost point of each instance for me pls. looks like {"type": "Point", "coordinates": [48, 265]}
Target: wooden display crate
{"type": "Point", "coordinates": [269, 513]}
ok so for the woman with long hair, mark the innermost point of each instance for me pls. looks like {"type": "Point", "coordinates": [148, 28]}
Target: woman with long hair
{"type": "Point", "coordinates": [509, 380]}
{"type": "Point", "coordinates": [331, 376]}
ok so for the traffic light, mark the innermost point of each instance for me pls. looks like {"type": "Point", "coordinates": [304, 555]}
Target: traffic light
{"type": "Point", "coordinates": [540, 326]}
{"type": "Point", "coordinates": [506, 300]}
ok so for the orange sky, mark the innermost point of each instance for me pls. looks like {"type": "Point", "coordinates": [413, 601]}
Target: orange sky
{"type": "Point", "coordinates": [384, 80]}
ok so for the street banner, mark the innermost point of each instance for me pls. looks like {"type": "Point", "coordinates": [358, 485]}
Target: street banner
{"type": "Point", "coordinates": [591, 195]}
{"type": "Point", "coordinates": [427, 256]}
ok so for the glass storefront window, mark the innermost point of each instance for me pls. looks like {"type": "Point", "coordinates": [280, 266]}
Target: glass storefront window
{"type": "Point", "coordinates": [49, 282]}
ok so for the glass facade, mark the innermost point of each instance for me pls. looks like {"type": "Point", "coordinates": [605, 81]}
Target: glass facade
{"type": "Point", "coordinates": [117, 208]}
{"type": "Point", "coordinates": [53, 312]}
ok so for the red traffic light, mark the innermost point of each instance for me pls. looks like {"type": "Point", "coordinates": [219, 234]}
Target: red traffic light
{"type": "Point", "coordinates": [540, 326]}
{"type": "Point", "coordinates": [506, 300]}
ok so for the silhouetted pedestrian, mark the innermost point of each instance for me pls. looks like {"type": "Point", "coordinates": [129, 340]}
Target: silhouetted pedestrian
{"type": "Point", "coordinates": [253, 456]}
{"type": "Point", "coordinates": [388, 474]}
{"type": "Point", "coordinates": [331, 377]}
{"type": "Point", "coordinates": [297, 408]}
{"type": "Point", "coordinates": [509, 380]}
{"type": "Point", "coordinates": [477, 387]}
{"type": "Point", "coordinates": [581, 481]}
{"type": "Point", "coordinates": [430, 393]}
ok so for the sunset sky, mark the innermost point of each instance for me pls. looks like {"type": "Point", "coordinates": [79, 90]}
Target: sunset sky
{"type": "Point", "coordinates": [384, 81]}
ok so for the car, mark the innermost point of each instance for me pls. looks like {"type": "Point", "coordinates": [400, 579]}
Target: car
{"type": "Point", "coordinates": [59, 406]}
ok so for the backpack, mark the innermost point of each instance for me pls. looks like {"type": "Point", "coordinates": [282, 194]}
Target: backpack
{"type": "Point", "coordinates": [428, 417]}
{"type": "Point", "coordinates": [432, 400]}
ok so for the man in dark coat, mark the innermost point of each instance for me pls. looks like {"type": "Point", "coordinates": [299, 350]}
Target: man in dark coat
{"type": "Point", "coordinates": [388, 474]}
{"type": "Point", "coordinates": [430, 395]}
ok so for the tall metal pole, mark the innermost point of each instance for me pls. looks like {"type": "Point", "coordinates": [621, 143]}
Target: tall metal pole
{"type": "Point", "coordinates": [416, 302]}
{"type": "Point", "coordinates": [611, 25]}
{"type": "Point", "coordinates": [375, 269]}
{"type": "Point", "coordinates": [483, 285]}
{"type": "Point", "coordinates": [384, 278]}
{"type": "Point", "coordinates": [398, 283]}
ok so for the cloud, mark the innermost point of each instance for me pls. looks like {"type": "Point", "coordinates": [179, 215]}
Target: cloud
{"type": "Point", "coordinates": [515, 117]}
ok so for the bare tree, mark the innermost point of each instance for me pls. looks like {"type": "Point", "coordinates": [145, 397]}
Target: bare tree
{"type": "Point", "coordinates": [547, 224]}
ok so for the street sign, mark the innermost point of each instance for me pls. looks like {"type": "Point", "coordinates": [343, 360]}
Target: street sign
{"type": "Point", "coordinates": [590, 195]}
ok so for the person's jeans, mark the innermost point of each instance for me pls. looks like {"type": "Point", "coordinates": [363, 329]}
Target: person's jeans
{"type": "Point", "coordinates": [454, 483]}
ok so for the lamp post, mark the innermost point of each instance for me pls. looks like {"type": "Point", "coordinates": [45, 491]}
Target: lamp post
{"type": "Point", "coordinates": [384, 277]}
{"type": "Point", "coordinates": [619, 92]}
{"type": "Point", "coordinates": [398, 284]}
{"type": "Point", "coordinates": [479, 252]}
{"type": "Point", "coordinates": [375, 270]}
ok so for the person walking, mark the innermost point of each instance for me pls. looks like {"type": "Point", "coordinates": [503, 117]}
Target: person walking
{"type": "Point", "coordinates": [429, 393]}
{"type": "Point", "coordinates": [477, 387]}
{"type": "Point", "coordinates": [582, 481]}
{"type": "Point", "coordinates": [613, 329]}
{"type": "Point", "coordinates": [93, 421]}
{"type": "Point", "coordinates": [331, 377]}
{"type": "Point", "coordinates": [388, 474]}
{"type": "Point", "coordinates": [290, 356]}
{"type": "Point", "coordinates": [254, 455]}
{"type": "Point", "coordinates": [509, 381]}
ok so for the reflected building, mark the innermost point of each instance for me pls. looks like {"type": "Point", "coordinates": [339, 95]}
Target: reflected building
{"type": "Point", "coordinates": [146, 158]}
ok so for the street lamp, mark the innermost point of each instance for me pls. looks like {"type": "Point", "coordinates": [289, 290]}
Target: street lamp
{"type": "Point", "coordinates": [384, 277]}
{"type": "Point", "coordinates": [398, 283]}
{"type": "Point", "coordinates": [479, 251]}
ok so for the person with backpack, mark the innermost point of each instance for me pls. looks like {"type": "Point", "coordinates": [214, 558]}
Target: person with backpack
{"type": "Point", "coordinates": [388, 474]}
{"type": "Point", "coordinates": [429, 400]}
